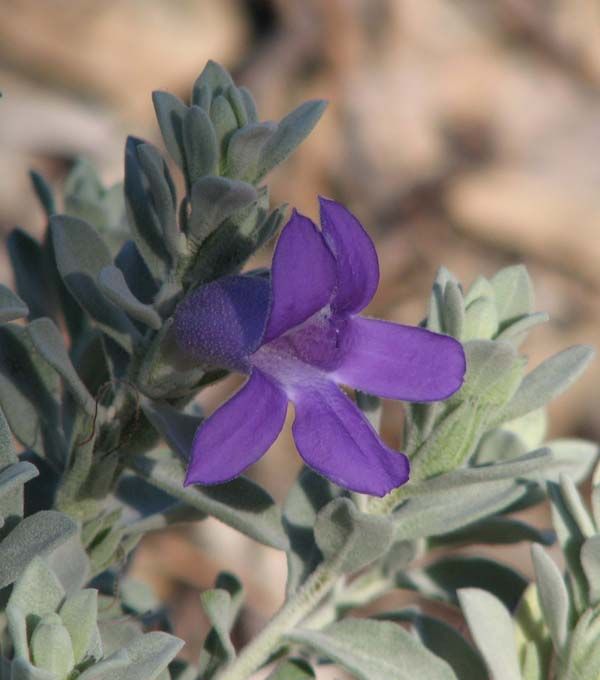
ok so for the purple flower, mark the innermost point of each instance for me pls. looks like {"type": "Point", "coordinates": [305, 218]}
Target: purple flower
{"type": "Point", "coordinates": [298, 338]}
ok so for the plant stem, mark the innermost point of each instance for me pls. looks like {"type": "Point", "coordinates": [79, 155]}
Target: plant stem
{"type": "Point", "coordinates": [298, 607]}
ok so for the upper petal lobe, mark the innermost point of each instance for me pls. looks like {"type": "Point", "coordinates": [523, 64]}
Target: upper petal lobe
{"type": "Point", "coordinates": [302, 276]}
{"type": "Point", "coordinates": [400, 362]}
{"type": "Point", "coordinates": [356, 258]}
{"type": "Point", "coordinates": [238, 433]}
{"type": "Point", "coordinates": [336, 440]}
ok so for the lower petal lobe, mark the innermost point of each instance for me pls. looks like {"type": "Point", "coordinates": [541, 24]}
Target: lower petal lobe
{"type": "Point", "coordinates": [400, 362]}
{"type": "Point", "coordinates": [336, 440]}
{"type": "Point", "coordinates": [238, 433]}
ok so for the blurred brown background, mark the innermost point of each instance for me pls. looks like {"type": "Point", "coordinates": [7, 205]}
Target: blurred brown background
{"type": "Point", "coordinates": [462, 132]}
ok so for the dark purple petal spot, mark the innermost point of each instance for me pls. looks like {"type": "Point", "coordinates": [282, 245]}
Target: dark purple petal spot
{"type": "Point", "coordinates": [221, 323]}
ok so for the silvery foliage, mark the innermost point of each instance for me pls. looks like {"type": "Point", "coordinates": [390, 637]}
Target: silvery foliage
{"type": "Point", "coordinates": [105, 420]}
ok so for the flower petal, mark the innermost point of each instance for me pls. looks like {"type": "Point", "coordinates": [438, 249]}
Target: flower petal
{"type": "Point", "coordinates": [302, 276]}
{"type": "Point", "coordinates": [238, 433]}
{"type": "Point", "coordinates": [355, 255]}
{"type": "Point", "coordinates": [222, 322]}
{"type": "Point", "coordinates": [400, 362]}
{"type": "Point", "coordinates": [336, 440]}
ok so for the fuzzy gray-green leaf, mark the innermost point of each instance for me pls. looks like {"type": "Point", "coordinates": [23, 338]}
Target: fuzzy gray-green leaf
{"type": "Point", "coordinates": [548, 380]}
{"type": "Point", "coordinates": [494, 632]}
{"type": "Point", "coordinates": [170, 112]}
{"type": "Point", "coordinates": [51, 647]}
{"type": "Point", "coordinates": [213, 200]}
{"type": "Point", "coordinates": [78, 614]}
{"type": "Point", "coordinates": [514, 293]}
{"type": "Point", "coordinates": [36, 535]}
{"type": "Point", "coordinates": [590, 561]}
{"type": "Point", "coordinates": [115, 288]}
{"type": "Point", "coordinates": [240, 503]}
{"type": "Point", "coordinates": [200, 145]}
{"type": "Point", "coordinates": [554, 599]}
{"type": "Point", "coordinates": [341, 528]}
{"type": "Point", "coordinates": [48, 341]}
{"type": "Point", "coordinates": [21, 669]}
{"type": "Point", "coordinates": [11, 305]}
{"type": "Point", "coordinates": [81, 255]}
{"type": "Point", "coordinates": [374, 650]}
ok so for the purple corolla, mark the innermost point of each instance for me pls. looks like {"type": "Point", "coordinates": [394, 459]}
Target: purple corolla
{"type": "Point", "coordinates": [298, 337]}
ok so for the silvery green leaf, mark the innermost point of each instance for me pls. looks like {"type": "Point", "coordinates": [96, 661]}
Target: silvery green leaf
{"type": "Point", "coordinates": [245, 148]}
{"type": "Point", "coordinates": [11, 305]}
{"type": "Point", "coordinates": [136, 273]}
{"type": "Point", "coordinates": [342, 530]}
{"type": "Point", "coordinates": [520, 467]}
{"type": "Point", "coordinates": [29, 395]}
{"type": "Point", "coordinates": [571, 541]}
{"type": "Point", "coordinates": [480, 288]}
{"type": "Point", "coordinates": [238, 104]}
{"type": "Point", "coordinates": [78, 614]}
{"type": "Point", "coordinates": [21, 669]}
{"type": "Point", "coordinates": [292, 669]}
{"type": "Point", "coordinates": [514, 293]}
{"type": "Point", "coordinates": [590, 560]}
{"type": "Point", "coordinates": [37, 592]}
{"type": "Point", "coordinates": [8, 455]}
{"type": "Point", "coordinates": [249, 104]}
{"type": "Point", "coordinates": [481, 319]}
{"type": "Point", "coordinates": [51, 647]}
{"type": "Point", "coordinates": [308, 495]}
{"type": "Point", "coordinates": [576, 507]}
{"type": "Point", "coordinates": [493, 631]}
{"type": "Point", "coordinates": [531, 428]}
{"type": "Point", "coordinates": [374, 650]}
{"type": "Point", "coordinates": [553, 596]}
{"type": "Point", "coordinates": [31, 280]}
{"type": "Point", "coordinates": [444, 641]}
{"type": "Point", "coordinates": [70, 562]}
{"type": "Point", "coordinates": [435, 314]}
{"type": "Point", "coordinates": [201, 146]}
{"type": "Point", "coordinates": [442, 579]}
{"type": "Point", "coordinates": [170, 112]}
{"type": "Point", "coordinates": [517, 331]}
{"type": "Point", "coordinates": [144, 221]}
{"type": "Point", "coordinates": [48, 341]}
{"type": "Point", "coordinates": [35, 535]}
{"type": "Point", "coordinates": [572, 457]}
{"type": "Point", "coordinates": [495, 531]}
{"type": "Point", "coordinates": [17, 628]}
{"type": "Point", "coordinates": [149, 655]}
{"type": "Point", "coordinates": [218, 648]}
{"type": "Point", "coordinates": [583, 654]}
{"type": "Point", "coordinates": [43, 192]}
{"type": "Point", "coordinates": [534, 645]}
{"type": "Point", "coordinates": [446, 511]}
{"type": "Point", "coordinates": [214, 78]}
{"type": "Point", "coordinates": [223, 120]}
{"type": "Point", "coordinates": [12, 479]}
{"type": "Point", "coordinates": [80, 255]}
{"type": "Point", "coordinates": [213, 200]}
{"type": "Point", "coordinates": [494, 371]}
{"type": "Point", "coordinates": [114, 286]}
{"type": "Point", "coordinates": [176, 428]}
{"type": "Point", "coordinates": [241, 503]}
{"type": "Point", "coordinates": [454, 310]}
{"type": "Point", "coordinates": [118, 662]}
{"type": "Point", "coordinates": [162, 195]}
{"type": "Point", "coordinates": [498, 445]}
{"type": "Point", "coordinates": [291, 131]}
{"type": "Point", "coordinates": [548, 380]}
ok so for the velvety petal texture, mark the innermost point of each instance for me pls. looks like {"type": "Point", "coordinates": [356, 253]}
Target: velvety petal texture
{"type": "Point", "coordinates": [303, 276]}
{"type": "Point", "coordinates": [357, 266]}
{"type": "Point", "coordinates": [400, 362]}
{"type": "Point", "coordinates": [337, 441]}
{"type": "Point", "coordinates": [238, 433]}
{"type": "Point", "coordinates": [221, 323]}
